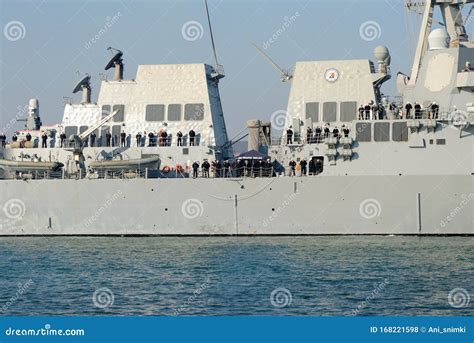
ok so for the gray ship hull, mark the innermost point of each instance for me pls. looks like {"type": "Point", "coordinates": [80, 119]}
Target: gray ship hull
{"type": "Point", "coordinates": [313, 205]}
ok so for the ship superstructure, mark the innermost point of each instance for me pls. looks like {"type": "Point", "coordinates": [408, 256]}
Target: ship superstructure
{"type": "Point", "coordinates": [350, 160]}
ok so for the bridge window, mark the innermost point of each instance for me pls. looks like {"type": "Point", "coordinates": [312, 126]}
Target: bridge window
{"type": "Point", "coordinates": [194, 112]}
{"type": "Point", "coordinates": [400, 132]}
{"type": "Point", "coordinates": [103, 132]}
{"type": "Point", "coordinates": [70, 130]}
{"type": "Point", "coordinates": [363, 132]}
{"type": "Point", "coordinates": [329, 111]}
{"type": "Point", "coordinates": [348, 110]}
{"type": "Point", "coordinates": [105, 110]}
{"type": "Point", "coordinates": [174, 112]}
{"type": "Point", "coordinates": [381, 132]}
{"type": "Point", "coordinates": [155, 113]}
{"type": "Point", "coordinates": [120, 116]}
{"type": "Point", "coordinates": [83, 129]}
{"type": "Point", "coordinates": [312, 111]}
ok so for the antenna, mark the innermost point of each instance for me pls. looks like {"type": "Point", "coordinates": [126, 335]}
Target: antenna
{"type": "Point", "coordinates": [219, 69]}
{"type": "Point", "coordinates": [116, 62]}
{"type": "Point", "coordinates": [285, 75]}
{"type": "Point", "coordinates": [84, 86]}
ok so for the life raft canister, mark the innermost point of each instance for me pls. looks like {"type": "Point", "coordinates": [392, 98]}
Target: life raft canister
{"type": "Point", "coordinates": [166, 169]}
{"type": "Point", "coordinates": [179, 168]}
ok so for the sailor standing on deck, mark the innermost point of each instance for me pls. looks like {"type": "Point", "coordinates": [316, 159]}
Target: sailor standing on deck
{"type": "Point", "coordinates": [345, 130]}
{"type": "Point", "coordinates": [62, 138]}
{"type": "Point", "coordinates": [195, 169]}
{"type": "Point", "coordinates": [93, 135]}
{"type": "Point", "coordinates": [150, 138]}
{"type": "Point", "coordinates": [123, 138]}
{"type": "Point", "coordinates": [139, 139]}
{"type": "Point", "coordinates": [3, 139]}
{"type": "Point", "coordinates": [367, 111]}
{"type": "Point", "coordinates": [326, 131]}
{"type": "Point", "coordinates": [192, 136]}
{"type": "Point", "coordinates": [44, 140]}
{"type": "Point", "coordinates": [205, 168]}
{"type": "Point", "coordinates": [180, 138]}
{"type": "Point", "coordinates": [309, 135]}
{"type": "Point", "coordinates": [226, 168]}
{"type": "Point", "coordinates": [303, 165]}
{"type": "Point", "coordinates": [434, 109]}
{"type": "Point", "coordinates": [318, 134]}
{"type": "Point", "coordinates": [361, 112]}
{"type": "Point", "coordinates": [292, 167]}
{"type": "Point", "coordinates": [408, 108]}
{"type": "Point", "coordinates": [108, 138]}
{"type": "Point", "coordinates": [417, 111]}
{"type": "Point", "coordinates": [289, 136]}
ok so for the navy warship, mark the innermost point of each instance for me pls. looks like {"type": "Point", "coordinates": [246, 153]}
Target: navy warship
{"type": "Point", "coordinates": [153, 157]}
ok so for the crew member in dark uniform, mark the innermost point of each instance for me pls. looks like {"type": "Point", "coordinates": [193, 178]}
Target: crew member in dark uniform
{"type": "Point", "coordinates": [218, 167]}
{"type": "Point", "coordinates": [180, 138]}
{"type": "Point", "coordinates": [139, 139]}
{"type": "Point", "coordinates": [108, 138]}
{"type": "Point", "coordinates": [434, 110]}
{"type": "Point", "coordinates": [289, 136]}
{"type": "Point", "coordinates": [192, 136]}
{"type": "Point", "coordinates": [151, 138]}
{"type": "Point", "coordinates": [309, 135]}
{"type": "Point", "coordinates": [292, 168]}
{"type": "Point", "coordinates": [408, 108]}
{"type": "Point", "coordinates": [226, 168]}
{"type": "Point", "coordinates": [14, 138]}
{"type": "Point", "coordinates": [367, 111]}
{"type": "Point", "coordinates": [345, 130]}
{"type": "Point", "coordinates": [62, 138]}
{"type": "Point", "coordinates": [93, 135]}
{"type": "Point", "coordinates": [44, 140]}
{"type": "Point", "coordinates": [417, 111]}
{"type": "Point", "coordinates": [303, 165]}
{"type": "Point", "coordinates": [326, 131]}
{"type": "Point", "coordinates": [361, 112]}
{"type": "Point", "coordinates": [3, 139]}
{"type": "Point", "coordinates": [123, 138]}
{"type": "Point", "coordinates": [195, 169]}
{"type": "Point", "coordinates": [335, 132]}
{"type": "Point", "coordinates": [164, 138]}
{"type": "Point", "coordinates": [205, 168]}
{"type": "Point", "coordinates": [28, 137]}
{"type": "Point", "coordinates": [318, 134]}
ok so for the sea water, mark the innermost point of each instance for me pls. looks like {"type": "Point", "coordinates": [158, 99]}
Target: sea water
{"type": "Point", "coordinates": [215, 276]}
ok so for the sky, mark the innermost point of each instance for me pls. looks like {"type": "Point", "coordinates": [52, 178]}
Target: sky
{"type": "Point", "coordinates": [46, 44]}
